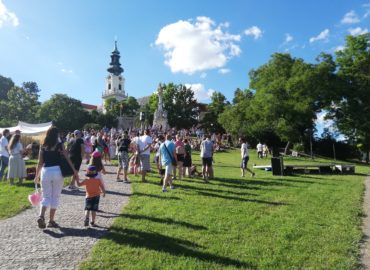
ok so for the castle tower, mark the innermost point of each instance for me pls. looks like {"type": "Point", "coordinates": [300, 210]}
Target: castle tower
{"type": "Point", "coordinates": [115, 82]}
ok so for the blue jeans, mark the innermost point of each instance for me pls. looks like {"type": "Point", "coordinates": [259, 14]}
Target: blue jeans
{"type": "Point", "coordinates": [3, 164]}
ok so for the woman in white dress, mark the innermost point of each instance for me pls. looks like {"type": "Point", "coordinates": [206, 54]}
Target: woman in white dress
{"type": "Point", "coordinates": [17, 167]}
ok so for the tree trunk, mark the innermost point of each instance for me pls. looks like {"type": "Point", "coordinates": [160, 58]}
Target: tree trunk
{"type": "Point", "coordinates": [287, 148]}
{"type": "Point", "coordinates": [367, 155]}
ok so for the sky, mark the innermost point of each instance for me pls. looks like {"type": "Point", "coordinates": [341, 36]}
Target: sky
{"type": "Point", "coordinates": [209, 45]}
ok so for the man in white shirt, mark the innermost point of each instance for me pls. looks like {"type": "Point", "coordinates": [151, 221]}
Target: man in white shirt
{"type": "Point", "coordinates": [144, 144]}
{"type": "Point", "coordinates": [259, 150]}
{"type": "Point", "coordinates": [245, 157]}
{"type": "Point", "coordinates": [4, 153]}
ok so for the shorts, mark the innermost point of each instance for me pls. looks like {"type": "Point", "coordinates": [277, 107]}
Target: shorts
{"type": "Point", "coordinates": [207, 161]}
{"type": "Point", "coordinates": [244, 162]}
{"type": "Point", "coordinates": [92, 204]}
{"type": "Point", "coordinates": [168, 170]}
{"type": "Point", "coordinates": [145, 162]}
{"type": "Point", "coordinates": [76, 162]}
{"type": "Point", "coordinates": [123, 159]}
{"type": "Point", "coordinates": [180, 157]}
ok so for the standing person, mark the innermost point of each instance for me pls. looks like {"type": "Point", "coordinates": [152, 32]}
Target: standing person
{"type": "Point", "coordinates": [76, 154]}
{"type": "Point", "coordinates": [260, 150]}
{"type": "Point", "coordinates": [17, 167]}
{"type": "Point", "coordinates": [88, 148]}
{"type": "Point", "coordinates": [4, 153]}
{"type": "Point", "coordinates": [245, 157]}
{"type": "Point", "coordinates": [48, 168]}
{"type": "Point", "coordinates": [145, 143]}
{"type": "Point", "coordinates": [157, 146]}
{"type": "Point", "coordinates": [136, 156]}
{"type": "Point", "coordinates": [187, 158]}
{"type": "Point", "coordinates": [167, 156]}
{"type": "Point", "coordinates": [206, 153]}
{"type": "Point", "coordinates": [123, 147]}
{"type": "Point", "coordinates": [180, 154]}
{"type": "Point", "coordinates": [96, 160]}
{"type": "Point", "coordinates": [94, 187]}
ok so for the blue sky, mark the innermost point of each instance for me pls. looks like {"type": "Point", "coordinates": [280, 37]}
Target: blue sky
{"type": "Point", "coordinates": [212, 45]}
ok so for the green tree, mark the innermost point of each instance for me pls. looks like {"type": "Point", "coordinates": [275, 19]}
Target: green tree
{"type": "Point", "coordinates": [66, 113]}
{"type": "Point", "coordinates": [129, 106]}
{"type": "Point", "coordinates": [351, 111]}
{"type": "Point", "coordinates": [112, 106]}
{"type": "Point", "coordinates": [180, 104]}
{"type": "Point", "coordinates": [215, 108]}
{"type": "Point", "coordinates": [5, 85]}
{"type": "Point", "coordinates": [22, 104]}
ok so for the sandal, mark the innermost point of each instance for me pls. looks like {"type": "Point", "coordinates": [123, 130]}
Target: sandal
{"type": "Point", "coordinates": [53, 224]}
{"type": "Point", "coordinates": [41, 222]}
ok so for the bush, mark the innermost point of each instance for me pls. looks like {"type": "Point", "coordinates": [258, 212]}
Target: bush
{"type": "Point", "coordinates": [298, 147]}
{"type": "Point", "coordinates": [92, 126]}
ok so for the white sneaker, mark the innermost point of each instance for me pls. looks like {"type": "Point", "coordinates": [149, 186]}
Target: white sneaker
{"type": "Point", "coordinates": [164, 190]}
{"type": "Point", "coordinates": [172, 187]}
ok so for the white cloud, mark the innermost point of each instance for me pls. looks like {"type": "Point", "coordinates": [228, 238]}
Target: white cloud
{"type": "Point", "coordinates": [64, 70]}
{"type": "Point", "coordinates": [288, 38]}
{"type": "Point", "coordinates": [367, 8]}
{"type": "Point", "coordinates": [254, 31]}
{"type": "Point", "coordinates": [199, 45]}
{"type": "Point", "coordinates": [324, 35]}
{"type": "Point", "coordinates": [200, 93]}
{"type": "Point", "coordinates": [203, 75]}
{"type": "Point", "coordinates": [357, 31]}
{"type": "Point", "coordinates": [350, 18]}
{"type": "Point", "coordinates": [7, 17]}
{"type": "Point", "coordinates": [224, 70]}
{"type": "Point", "coordinates": [339, 48]}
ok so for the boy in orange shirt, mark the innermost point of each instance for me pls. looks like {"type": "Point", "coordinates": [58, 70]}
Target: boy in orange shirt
{"type": "Point", "coordinates": [94, 187]}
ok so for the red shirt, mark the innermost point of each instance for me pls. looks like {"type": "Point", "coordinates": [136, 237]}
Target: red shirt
{"type": "Point", "coordinates": [93, 187]}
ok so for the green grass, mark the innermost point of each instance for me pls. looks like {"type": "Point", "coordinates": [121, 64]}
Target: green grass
{"type": "Point", "coordinates": [266, 222]}
{"type": "Point", "coordinates": [14, 199]}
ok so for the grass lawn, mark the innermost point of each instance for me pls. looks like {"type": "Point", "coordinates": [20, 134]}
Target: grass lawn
{"type": "Point", "coordinates": [14, 199]}
{"type": "Point", "coordinates": [265, 222]}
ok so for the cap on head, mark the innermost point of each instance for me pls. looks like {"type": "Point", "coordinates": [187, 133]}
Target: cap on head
{"type": "Point", "coordinates": [91, 171]}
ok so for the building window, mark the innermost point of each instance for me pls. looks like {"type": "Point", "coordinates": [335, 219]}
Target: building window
{"type": "Point", "coordinates": [109, 86]}
{"type": "Point", "coordinates": [120, 87]}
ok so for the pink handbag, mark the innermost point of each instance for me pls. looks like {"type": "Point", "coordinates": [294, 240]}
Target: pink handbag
{"type": "Point", "coordinates": [35, 198]}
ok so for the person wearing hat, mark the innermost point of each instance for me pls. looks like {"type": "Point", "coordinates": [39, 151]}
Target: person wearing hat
{"type": "Point", "coordinates": [76, 154]}
{"type": "Point", "coordinates": [94, 187]}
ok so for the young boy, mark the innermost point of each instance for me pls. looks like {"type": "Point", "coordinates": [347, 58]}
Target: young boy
{"type": "Point", "coordinates": [94, 187]}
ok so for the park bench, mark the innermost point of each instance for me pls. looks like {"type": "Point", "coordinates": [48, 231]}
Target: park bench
{"type": "Point", "coordinates": [345, 168]}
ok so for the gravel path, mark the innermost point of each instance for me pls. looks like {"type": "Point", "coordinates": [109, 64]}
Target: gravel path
{"type": "Point", "coordinates": [24, 246]}
{"type": "Point", "coordinates": [365, 245]}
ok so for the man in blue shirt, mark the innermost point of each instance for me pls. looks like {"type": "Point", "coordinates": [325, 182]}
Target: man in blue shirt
{"type": "Point", "coordinates": [166, 158]}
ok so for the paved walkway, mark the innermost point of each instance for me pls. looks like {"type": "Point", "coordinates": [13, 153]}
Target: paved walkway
{"type": "Point", "coordinates": [365, 245]}
{"type": "Point", "coordinates": [24, 246]}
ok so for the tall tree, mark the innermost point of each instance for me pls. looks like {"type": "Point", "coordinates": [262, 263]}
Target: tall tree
{"type": "Point", "coordinates": [5, 85]}
{"type": "Point", "coordinates": [351, 112]}
{"type": "Point", "coordinates": [129, 106]}
{"type": "Point", "coordinates": [66, 113]}
{"type": "Point", "coordinates": [215, 108]}
{"type": "Point", "coordinates": [180, 104]}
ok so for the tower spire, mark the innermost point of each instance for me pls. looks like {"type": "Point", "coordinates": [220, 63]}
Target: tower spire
{"type": "Point", "coordinates": [115, 65]}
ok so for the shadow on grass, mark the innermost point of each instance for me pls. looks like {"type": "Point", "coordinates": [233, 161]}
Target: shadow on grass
{"type": "Point", "coordinates": [240, 199]}
{"type": "Point", "coordinates": [155, 196]}
{"type": "Point", "coordinates": [170, 245]}
{"type": "Point", "coordinates": [214, 190]}
{"type": "Point", "coordinates": [169, 221]}
{"type": "Point", "coordinates": [77, 232]}
{"type": "Point", "coordinates": [248, 182]}
{"type": "Point", "coordinates": [117, 193]}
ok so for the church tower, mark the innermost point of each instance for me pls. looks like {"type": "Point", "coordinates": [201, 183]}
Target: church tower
{"type": "Point", "coordinates": [115, 82]}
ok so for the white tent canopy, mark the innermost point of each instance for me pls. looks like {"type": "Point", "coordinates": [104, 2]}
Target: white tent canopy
{"type": "Point", "coordinates": [29, 129]}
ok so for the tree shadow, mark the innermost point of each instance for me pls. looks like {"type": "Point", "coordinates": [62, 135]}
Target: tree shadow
{"type": "Point", "coordinates": [215, 190]}
{"type": "Point", "coordinates": [73, 192]}
{"type": "Point", "coordinates": [155, 196]}
{"type": "Point", "coordinates": [117, 193]}
{"type": "Point", "coordinates": [170, 245]}
{"type": "Point", "coordinates": [240, 199]}
{"type": "Point", "coordinates": [77, 232]}
{"type": "Point", "coordinates": [248, 182]}
{"type": "Point", "coordinates": [164, 220]}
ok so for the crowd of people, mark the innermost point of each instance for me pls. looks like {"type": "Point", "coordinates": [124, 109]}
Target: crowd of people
{"type": "Point", "coordinates": [172, 156]}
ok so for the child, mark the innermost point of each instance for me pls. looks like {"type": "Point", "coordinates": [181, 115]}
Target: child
{"type": "Point", "coordinates": [96, 161]}
{"type": "Point", "coordinates": [93, 189]}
